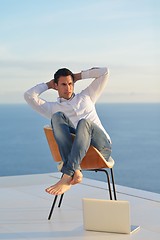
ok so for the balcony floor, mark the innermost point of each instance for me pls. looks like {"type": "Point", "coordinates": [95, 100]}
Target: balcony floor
{"type": "Point", "coordinates": [24, 208]}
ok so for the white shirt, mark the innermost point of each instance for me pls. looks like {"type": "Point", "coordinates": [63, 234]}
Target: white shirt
{"type": "Point", "coordinates": [81, 105]}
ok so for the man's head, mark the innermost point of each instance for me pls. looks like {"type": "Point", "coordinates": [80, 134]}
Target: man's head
{"type": "Point", "coordinates": [62, 72]}
{"type": "Point", "coordinates": [64, 83]}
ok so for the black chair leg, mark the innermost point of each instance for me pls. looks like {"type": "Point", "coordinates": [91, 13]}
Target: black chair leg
{"type": "Point", "coordinates": [54, 202]}
{"type": "Point", "coordinates": [109, 185]}
{"type": "Point", "coordinates": [53, 205]}
{"type": "Point", "coordinates": [60, 201]}
{"type": "Point", "coordinates": [113, 183]}
{"type": "Point", "coordinates": [108, 180]}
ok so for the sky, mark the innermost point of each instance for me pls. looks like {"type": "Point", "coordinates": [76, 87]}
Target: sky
{"type": "Point", "coordinates": [37, 37]}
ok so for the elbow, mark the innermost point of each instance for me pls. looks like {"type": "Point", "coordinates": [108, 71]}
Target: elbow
{"type": "Point", "coordinates": [106, 71]}
{"type": "Point", "coordinates": [26, 96]}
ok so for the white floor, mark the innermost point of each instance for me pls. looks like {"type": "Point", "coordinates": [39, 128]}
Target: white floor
{"type": "Point", "coordinates": [24, 208]}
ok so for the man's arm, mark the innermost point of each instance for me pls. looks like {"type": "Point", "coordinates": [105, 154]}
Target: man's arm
{"type": "Point", "coordinates": [32, 97]}
{"type": "Point", "coordinates": [97, 86]}
{"type": "Point", "coordinates": [94, 72]}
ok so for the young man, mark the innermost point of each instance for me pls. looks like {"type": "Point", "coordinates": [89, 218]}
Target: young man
{"type": "Point", "coordinates": [73, 113]}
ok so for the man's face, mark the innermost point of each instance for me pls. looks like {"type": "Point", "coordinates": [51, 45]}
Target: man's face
{"type": "Point", "coordinates": [65, 87]}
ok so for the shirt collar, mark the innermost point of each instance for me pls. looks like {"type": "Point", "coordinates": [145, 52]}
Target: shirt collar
{"type": "Point", "coordinates": [60, 100]}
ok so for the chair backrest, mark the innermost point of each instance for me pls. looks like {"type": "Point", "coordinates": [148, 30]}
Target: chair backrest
{"type": "Point", "coordinates": [92, 160]}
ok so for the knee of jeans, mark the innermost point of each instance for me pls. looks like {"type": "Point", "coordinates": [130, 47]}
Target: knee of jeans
{"type": "Point", "coordinates": [56, 116]}
{"type": "Point", "coordinates": [84, 122]}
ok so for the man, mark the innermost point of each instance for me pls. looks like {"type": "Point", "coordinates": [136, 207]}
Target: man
{"type": "Point", "coordinates": [73, 113]}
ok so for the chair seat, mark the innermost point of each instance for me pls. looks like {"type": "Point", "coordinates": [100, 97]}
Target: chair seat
{"type": "Point", "coordinates": [95, 160]}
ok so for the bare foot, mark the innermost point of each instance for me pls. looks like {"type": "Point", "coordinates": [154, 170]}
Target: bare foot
{"type": "Point", "coordinates": [60, 187]}
{"type": "Point", "coordinates": [77, 177]}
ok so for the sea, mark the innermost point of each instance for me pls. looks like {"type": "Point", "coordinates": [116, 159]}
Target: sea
{"type": "Point", "coordinates": [133, 128]}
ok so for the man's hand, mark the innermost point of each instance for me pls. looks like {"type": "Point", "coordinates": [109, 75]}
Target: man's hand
{"type": "Point", "coordinates": [77, 76]}
{"type": "Point", "coordinates": [51, 84]}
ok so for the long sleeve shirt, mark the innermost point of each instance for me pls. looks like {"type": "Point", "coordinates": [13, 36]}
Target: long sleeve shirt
{"type": "Point", "coordinates": [80, 106]}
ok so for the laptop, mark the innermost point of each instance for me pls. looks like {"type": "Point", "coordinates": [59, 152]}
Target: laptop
{"type": "Point", "coordinates": [107, 216]}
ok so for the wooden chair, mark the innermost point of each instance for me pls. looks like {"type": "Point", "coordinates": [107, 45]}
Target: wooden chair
{"type": "Point", "coordinates": [93, 161]}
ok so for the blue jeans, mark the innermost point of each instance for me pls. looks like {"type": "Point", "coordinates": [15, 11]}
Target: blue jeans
{"type": "Point", "coordinates": [86, 133]}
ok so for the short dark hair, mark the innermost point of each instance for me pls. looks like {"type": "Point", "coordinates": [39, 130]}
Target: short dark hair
{"type": "Point", "coordinates": [62, 72]}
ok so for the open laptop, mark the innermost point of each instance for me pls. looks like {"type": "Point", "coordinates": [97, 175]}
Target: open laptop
{"type": "Point", "coordinates": [107, 216]}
